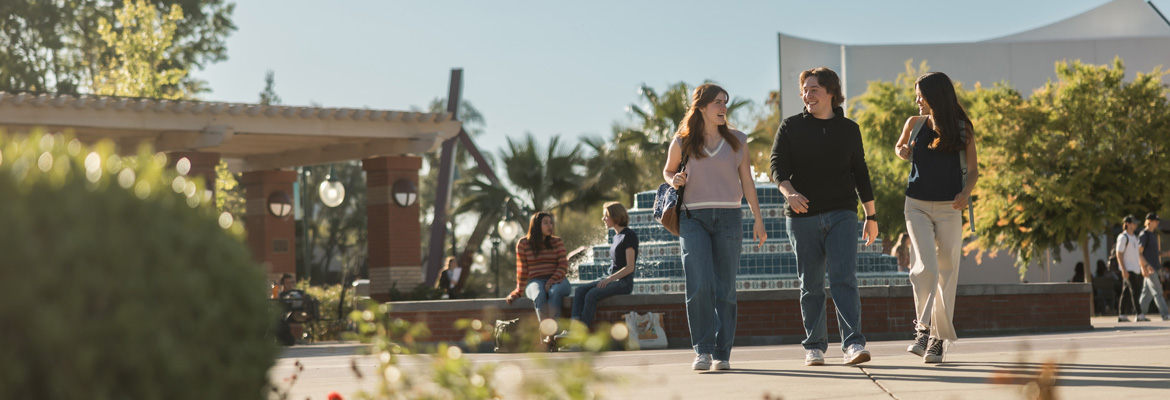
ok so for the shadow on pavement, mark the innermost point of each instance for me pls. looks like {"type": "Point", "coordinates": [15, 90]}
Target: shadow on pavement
{"type": "Point", "coordinates": [1071, 374]}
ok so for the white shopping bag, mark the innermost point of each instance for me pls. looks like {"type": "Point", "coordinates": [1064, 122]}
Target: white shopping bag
{"type": "Point", "coordinates": [645, 331]}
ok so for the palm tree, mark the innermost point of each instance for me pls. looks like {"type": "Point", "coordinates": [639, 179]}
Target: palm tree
{"type": "Point", "coordinates": [613, 173]}
{"type": "Point", "coordinates": [550, 177]}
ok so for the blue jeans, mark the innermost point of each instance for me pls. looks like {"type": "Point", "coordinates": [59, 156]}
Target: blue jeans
{"type": "Point", "coordinates": [586, 296]}
{"type": "Point", "coordinates": [547, 302]}
{"type": "Point", "coordinates": [827, 240]}
{"type": "Point", "coordinates": [711, 240]}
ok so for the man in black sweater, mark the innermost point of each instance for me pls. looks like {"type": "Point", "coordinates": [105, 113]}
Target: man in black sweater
{"type": "Point", "coordinates": [818, 161]}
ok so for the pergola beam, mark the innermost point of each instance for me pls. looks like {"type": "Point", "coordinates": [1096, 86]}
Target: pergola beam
{"type": "Point", "coordinates": [338, 153]}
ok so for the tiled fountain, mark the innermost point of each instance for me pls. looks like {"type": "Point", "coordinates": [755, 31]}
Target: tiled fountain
{"type": "Point", "coordinates": [771, 266]}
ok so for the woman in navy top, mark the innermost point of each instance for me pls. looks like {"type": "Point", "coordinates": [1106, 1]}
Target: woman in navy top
{"type": "Point", "coordinates": [936, 194]}
{"type": "Point", "coordinates": [620, 277]}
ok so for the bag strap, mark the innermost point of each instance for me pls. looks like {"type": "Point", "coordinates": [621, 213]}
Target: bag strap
{"type": "Point", "coordinates": [914, 133]}
{"type": "Point", "coordinates": [681, 167]}
{"type": "Point", "coordinates": [963, 167]}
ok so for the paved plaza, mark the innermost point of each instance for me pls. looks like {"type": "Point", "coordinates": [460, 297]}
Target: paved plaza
{"type": "Point", "coordinates": [1114, 360]}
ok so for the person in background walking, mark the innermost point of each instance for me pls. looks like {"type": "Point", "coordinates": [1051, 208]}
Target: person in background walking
{"type": "Point", "coordinates": [936, 195]}
{"type": "Point", "coordinates": [448, 278]}
{"type": "Point", "coordinates": [818, 162]}
{"type": "Point", "coordinates": [1150, 247]}
{"type": "Point", "coordinates": [717, 178]}
{"type": "Point", "coordinates": [1129, 262]}
{"type": "Point", "coordinates": [541, 266]}
{"type": "Point", "coordinates": [620, 277]}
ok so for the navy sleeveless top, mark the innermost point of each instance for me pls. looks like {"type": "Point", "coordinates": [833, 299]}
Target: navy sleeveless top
{"type": "Point", "coordinates": [935, 175]}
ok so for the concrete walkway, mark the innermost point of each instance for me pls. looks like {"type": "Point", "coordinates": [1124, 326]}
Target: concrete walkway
{"type": "Point", "coordinates": [1114, 360]}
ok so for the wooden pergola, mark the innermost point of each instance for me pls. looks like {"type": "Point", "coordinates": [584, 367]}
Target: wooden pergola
{"type": "Point", "coordinates": [250, 137]}
{"type": "Point", "coordinates": [265, 143]}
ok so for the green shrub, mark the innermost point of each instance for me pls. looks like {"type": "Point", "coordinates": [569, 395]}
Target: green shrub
{"type": "Point", "coordinates": [329, 327]}
{"type": "Point", "coordinates": [117, 281]}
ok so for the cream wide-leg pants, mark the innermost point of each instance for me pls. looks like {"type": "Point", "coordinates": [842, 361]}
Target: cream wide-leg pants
{"type": "Point", "coordinates": [936, 232]}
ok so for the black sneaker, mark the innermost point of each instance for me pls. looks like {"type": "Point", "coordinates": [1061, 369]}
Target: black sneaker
{"type": "Point", "coordinates": [934, 352]}
{"type": "Point", "coordinates": [918, 348]}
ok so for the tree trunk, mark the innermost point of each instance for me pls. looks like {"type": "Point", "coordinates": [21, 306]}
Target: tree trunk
{"type": "Point", "coordinates": [1088, 275]}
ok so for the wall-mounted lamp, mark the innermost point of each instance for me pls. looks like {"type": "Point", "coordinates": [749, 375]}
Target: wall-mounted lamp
{"type": "Point", "coordinates": [404, 192]}
{"type": "Point", "coordinates": [280, 205]}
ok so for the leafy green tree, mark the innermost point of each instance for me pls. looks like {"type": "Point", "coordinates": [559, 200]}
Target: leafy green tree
{"type": "Point", "coordinates": [141, 47]}
{"type": "Point", "coordinates": [229, 195]}
{"type": "Point", "coordinates": [268, 96]}
{"type": "Point", "coordinates": [1065, 164]}
{"type": "Point", "coordinates": [56, 46]}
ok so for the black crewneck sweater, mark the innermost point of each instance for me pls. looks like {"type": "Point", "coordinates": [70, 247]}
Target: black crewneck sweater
{"type": "Point", "coordinates": [824, 160]}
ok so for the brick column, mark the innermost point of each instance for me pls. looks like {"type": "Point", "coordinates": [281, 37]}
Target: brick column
{"type": "Point", "coordinates": [202, 164]}
{"type": "Point", "coordinates": [395, 242]}
{"type": "Point", "coordinates": [272, 239]}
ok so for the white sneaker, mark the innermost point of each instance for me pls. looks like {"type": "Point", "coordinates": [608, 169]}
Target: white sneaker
{"type": "Point", "coordinates": [856, 354]}
{"type": "Point", "coordinates": [702, 362]}
{"type": "Point", "coordinates": [814, 357]}
{"type": "Point", "coordinates": [722, 365]}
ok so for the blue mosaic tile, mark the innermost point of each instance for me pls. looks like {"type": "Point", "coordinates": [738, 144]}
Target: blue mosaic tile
{"type": "Point", "coordinates": [771, 266]}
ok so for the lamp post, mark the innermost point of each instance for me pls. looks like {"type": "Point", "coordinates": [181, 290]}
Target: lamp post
{"type": "Point", "coordinates": [506, 231]}
{"type": "Point", "coordinates": [496, 259]}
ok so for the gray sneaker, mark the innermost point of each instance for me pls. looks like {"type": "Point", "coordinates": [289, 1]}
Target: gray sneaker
{"type": "Point", "coordinates": [702, 362]}
{"type": "Point", "coordinates": [722, 365]}
{"type": "Point", "coordinates": [856, 354]}
{"type": "Point", "coordinates": [918, 348]}
{"type": "Point", "coordinates": [1122, 318]}
{"type": "Point", "coordinates": [1142, 318]}
{"type": "Point", "coordinates": [814, 357]}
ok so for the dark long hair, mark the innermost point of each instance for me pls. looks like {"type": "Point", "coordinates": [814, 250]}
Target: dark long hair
{"type": "Point", "coordinates": [945, 112]}
{"type": "Point", "coordinates": [536, 239]}
{"type": "Point", "coordinates": [691, 130]}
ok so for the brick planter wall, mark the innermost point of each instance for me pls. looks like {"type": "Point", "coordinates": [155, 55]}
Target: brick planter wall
{"type": "Point", "coordinates": [773, 316]}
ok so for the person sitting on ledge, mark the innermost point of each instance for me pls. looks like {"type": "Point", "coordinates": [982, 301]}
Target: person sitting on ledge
{"type": "Point", "coordinates": [620, 277]}
{"type": "Point", "coordinates": [541, 266]}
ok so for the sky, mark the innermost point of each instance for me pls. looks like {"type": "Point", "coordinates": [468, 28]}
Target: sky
{"type": "Point", "coordinates": [567, 68]}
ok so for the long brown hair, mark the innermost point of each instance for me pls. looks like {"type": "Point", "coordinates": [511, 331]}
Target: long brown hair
{"type": "Point", "coordinates": [945, 112]}
{"type": "Point", "coordinates": [536, 239]}
{"type": "Point", "coordinates": [692, 124]}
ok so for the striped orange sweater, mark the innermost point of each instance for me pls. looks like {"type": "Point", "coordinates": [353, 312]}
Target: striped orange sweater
{"type": "Point", "coordinates": [551, 262]}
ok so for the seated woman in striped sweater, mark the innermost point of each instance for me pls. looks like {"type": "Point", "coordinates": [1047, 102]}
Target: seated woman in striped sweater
{"type": "Point", "coordinates": [541, 266]}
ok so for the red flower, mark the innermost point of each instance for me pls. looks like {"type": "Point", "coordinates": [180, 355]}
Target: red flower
{"type": "Point", "coordinates": [334, 396]}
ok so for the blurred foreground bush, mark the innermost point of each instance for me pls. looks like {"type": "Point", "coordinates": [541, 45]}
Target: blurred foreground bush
{"type": "Point", "coordinates": [117, 281]}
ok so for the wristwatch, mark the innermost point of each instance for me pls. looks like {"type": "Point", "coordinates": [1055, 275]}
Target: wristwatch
{"type": "Point", "coordinates": [871, 217]}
